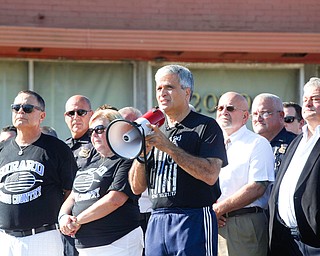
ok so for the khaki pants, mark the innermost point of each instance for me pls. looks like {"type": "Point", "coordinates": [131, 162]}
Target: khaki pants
{"type": "Point", "coordinates": [244, 235]}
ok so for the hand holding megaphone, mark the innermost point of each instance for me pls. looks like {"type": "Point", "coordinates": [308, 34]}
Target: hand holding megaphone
{"type": "Point", "coordinates": [127, 139]}
{"type": "Point", "coordinates": [156, 139]}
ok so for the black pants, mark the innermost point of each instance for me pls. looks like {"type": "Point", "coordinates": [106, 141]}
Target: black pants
{"type": "Point", "coordinates": [144, 218]}
{"type": "Point", "coordinates": [69, 248]}
{"type": "Point", "coordinates": [286, 241]}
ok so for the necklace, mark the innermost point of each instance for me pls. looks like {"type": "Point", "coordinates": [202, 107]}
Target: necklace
{"type": "Point", "coordinates": [20, 153]}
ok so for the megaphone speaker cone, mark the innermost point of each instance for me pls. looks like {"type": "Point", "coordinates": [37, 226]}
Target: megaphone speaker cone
{"type": "Point", "coordinates": [126, 139]}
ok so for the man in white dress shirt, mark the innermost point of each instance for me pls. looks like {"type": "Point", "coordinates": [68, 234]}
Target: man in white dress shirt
{"type": "Point", "coordinates": [244, 182]}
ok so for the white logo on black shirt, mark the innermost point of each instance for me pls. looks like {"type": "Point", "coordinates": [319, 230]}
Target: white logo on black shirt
{"type": "Point", "coordinates": [164, 176]}
{"type": "Point", "coordinates": [85, 182]}
{"type": "Point", "coordinates": [18, 181]}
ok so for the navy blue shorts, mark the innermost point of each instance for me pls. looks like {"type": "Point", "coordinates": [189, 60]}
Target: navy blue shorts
{"type": "Point", "coordinates": [182, 232]}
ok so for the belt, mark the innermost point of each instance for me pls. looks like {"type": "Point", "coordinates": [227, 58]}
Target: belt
{"type": "Point", "coordinates": [145, 215]}
{"type": "Point", "coordinates": [29, 232]}
{"type": "Point", "coordinates": [294, 231]}
{"type": "Point", "coordinates": [243, 211]}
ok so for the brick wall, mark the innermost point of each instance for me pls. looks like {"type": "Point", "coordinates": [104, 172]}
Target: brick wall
{"type": "Point", "coordinates": [184, 15]}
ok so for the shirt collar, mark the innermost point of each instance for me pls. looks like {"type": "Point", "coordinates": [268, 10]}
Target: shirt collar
{"type": "Point", "coordinates": [305, 131]}
{"type": "Point", "coordinates": [234, 136]}
{"type": "Point", "coordinates": [85, 139]}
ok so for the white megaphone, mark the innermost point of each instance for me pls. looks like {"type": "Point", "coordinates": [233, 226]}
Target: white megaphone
{"type": "Point", "coordinates": [126, 139]}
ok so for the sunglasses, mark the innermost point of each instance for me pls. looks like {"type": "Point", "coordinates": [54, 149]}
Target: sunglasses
{"type": "Point", "coordinates": [289, 119]}
{"type": "Point", "coordinates": [80, 112]}
{"type": "Point", "coordinates": [229, 108]}
{"type": "Point", "coordinates": [99, 129]}
{"type": "Point", "coordinates": [27, 108]}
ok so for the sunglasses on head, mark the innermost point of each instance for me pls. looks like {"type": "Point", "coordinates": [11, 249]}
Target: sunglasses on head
{"type": "Point", "coordinates": [80, 112]}
{"type": "Point", "coordinates": [99, 129]}
{"type": "Point", "coordinates": [229, 108]}
{"type": "Point", "coordinates": [27, 108]}
{"type": "Point", "coordinates": [289, 119]}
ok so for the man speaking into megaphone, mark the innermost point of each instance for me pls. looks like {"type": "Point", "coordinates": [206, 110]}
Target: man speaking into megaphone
{"type": "Point", "coordinates": [183, 157]}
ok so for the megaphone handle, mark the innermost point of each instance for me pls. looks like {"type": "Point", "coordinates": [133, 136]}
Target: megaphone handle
{"type": "Point", "coordinates": [145, 159]}
{"type": "Point", "coordinates": [144, 148]}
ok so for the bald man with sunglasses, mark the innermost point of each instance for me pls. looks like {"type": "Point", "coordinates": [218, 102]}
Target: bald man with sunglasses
{"type": "Point", "coordinates": [77, 116]}
{"type": "Point", "coordinates": [244, 182]}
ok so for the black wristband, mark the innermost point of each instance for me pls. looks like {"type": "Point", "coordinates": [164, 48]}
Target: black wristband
{"type": "Point", "coordinates": [141, 160]}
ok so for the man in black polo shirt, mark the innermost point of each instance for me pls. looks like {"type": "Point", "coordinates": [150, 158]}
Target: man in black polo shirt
{"type": "Point", "coordinates": [77, 116]}
{"type": "Point", "coordinates": [182, 172]}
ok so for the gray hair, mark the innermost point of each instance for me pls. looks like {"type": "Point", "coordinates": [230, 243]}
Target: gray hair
{"type": "Point", "coordinates": [184, 74]}
{"type": "Point", "coordinates": [276, 101]}
{"type": "Point", "coordinates": [130, 113]}
{"type": "Point", "coordinates": [313, 82]}
{"type": "Point", "coordinates": [38, 98]}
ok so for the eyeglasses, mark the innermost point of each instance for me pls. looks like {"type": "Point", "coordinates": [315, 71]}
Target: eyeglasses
{"type": "Point", "coordinates": [289, 119]}
{"type": "Point", "coordinates": [80, 112]}
{"type": "Point", "coordinates": [99, 129]}
{"type": "Point", "coordinates": [229, 108]}
{"type": "Point", "coordinates": [27, 108]}
{"type": "Point", "coordinates": [263, 114]}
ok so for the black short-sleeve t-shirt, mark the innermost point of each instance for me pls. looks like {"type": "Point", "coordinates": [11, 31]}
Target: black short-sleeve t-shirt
{"type": "Point", "coordinates": [169, 184]}
{"type": "Point", "coordinates": [90, 185]}
{"type": "Point", "coordinates": [32, 184]}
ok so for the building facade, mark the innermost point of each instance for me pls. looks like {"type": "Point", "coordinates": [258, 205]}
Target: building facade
{"type": "Point", "coordinates": [110, 50]}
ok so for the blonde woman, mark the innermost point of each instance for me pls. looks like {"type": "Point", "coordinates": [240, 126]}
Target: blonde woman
{"type": "Point", "coordinates": [101, 212]}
